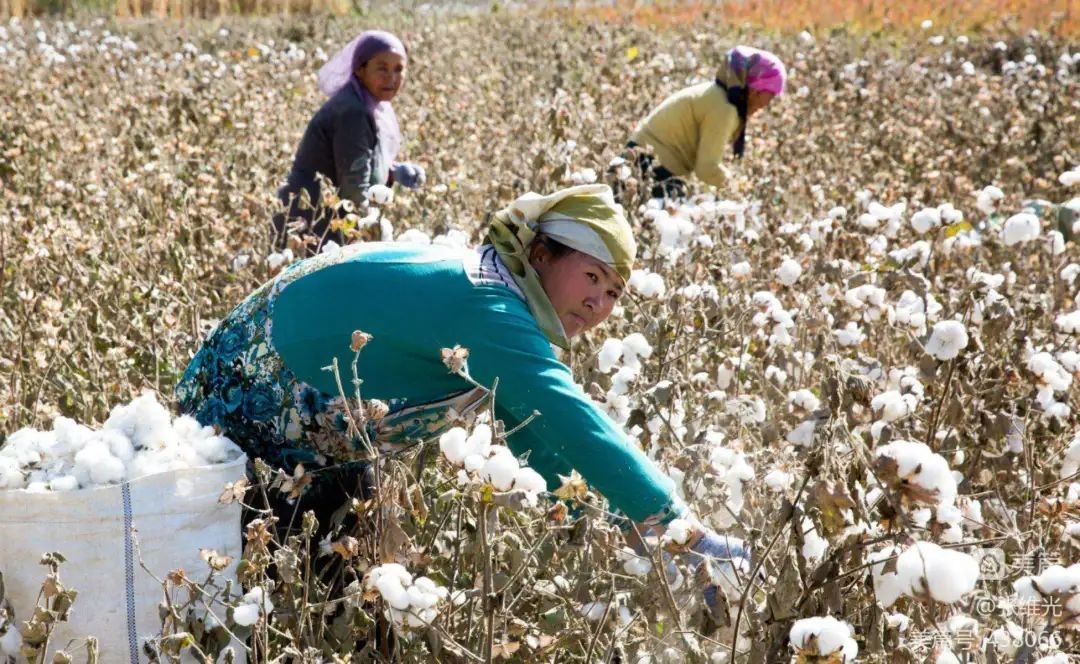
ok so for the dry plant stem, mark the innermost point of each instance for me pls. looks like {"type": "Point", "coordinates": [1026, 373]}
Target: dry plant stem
{"type": "Point", "coordinates": [603, 620]}
{"type": "Point", "coordinates": [658, 570]}
{"type": "Point", "coordinates": [761, 561]}
{"type": "Point", "coordinates": [489, 589]}
{"type": "Point", "coordinates": [932, 429]}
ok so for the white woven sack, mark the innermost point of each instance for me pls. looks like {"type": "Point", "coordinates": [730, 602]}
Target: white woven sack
{"type": "Point", "coordinates": [102, 532]}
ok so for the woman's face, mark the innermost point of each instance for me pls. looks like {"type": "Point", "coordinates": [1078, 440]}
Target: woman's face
{"type": "Point", "coordinates": [383, 75]}
{"type": "Point", "coordinates": [582, 289]}
{"type": "Point", "coordinates": [757, 100]}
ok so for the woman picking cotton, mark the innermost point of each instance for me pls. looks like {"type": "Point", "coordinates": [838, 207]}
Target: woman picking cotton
{"type": "Point", "coordinates": [692, 130]}
{"type": "Point", "coordinates": [553, 268]}
{"type": "Point", "coordinates": [353, 140]}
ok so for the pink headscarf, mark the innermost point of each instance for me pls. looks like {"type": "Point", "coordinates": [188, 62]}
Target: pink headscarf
{"type": "Point", "coordinates": [339, 72]}
{"type": "Point", "coordinates": [745, 66]}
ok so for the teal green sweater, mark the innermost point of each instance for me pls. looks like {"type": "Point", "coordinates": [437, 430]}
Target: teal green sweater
{"type": "Point", "coordinates": [415, 301]}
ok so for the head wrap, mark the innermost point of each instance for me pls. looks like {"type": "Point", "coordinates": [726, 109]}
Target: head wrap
{"type": "Point", "coordinates": [746, 68]}
{"type": "Point", "coordinates": [585, 218]}
{"type": "Point", "coordinates": [339, 72]}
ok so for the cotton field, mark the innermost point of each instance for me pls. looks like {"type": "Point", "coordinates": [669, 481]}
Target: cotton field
{"type": "Point", "coordinates": [859, 359]}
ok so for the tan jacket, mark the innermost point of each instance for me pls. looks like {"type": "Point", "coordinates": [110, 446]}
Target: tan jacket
{"type": "Point", "coordinates": [692, 130]}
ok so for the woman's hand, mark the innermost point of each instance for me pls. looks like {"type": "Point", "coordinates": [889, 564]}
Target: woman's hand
{"type": "Point", "coordinates": [727, 558]}
{"type": "Point", "coordinates": [409, 175]}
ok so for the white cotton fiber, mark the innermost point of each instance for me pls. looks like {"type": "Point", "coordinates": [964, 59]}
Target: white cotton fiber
{"type": "Point", "coordinates": [138, 439]}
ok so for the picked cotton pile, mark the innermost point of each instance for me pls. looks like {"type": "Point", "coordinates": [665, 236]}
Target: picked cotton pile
{"type": "Point", "coordinates": [924, 569]}
{"type": "Point", "coordinates": [493, 464]}
{"type": "Point", "coordinates": [410, 603]}
{"type": "Point", "coordinates": [140, 438]}
{"type": "Point", "coordinates": [824, 637]}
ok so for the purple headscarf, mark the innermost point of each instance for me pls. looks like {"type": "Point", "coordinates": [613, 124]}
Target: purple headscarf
{"type": "Point", "coordinates": [339, 72]}
{"type": "Point", "coordinates": [745, 66]}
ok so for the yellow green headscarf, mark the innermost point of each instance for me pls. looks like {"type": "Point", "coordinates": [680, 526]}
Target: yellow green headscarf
{"type": "Point", "coordinates": [585, 218]}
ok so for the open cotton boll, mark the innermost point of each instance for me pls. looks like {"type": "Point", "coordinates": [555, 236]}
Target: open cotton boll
{"type": "Point", "coordinates": [778, 480]}
{"type": "Point", "coordinates": [380, 194]}
{"type": "Point", "coordinates": [803, 434]}
{"type": "Point", "coordinates": [850, 335]}
{"type": "Point", "coordinates": [741, 270]}
{"type": "Point", "coordinates": [1069, 467]}
{"type": "Point", "coordinates": [892, 405]}
{"type": "Point", "coordinates": [678, 531]}
{"type": "Point", "coordinates": [1050, 374]}
{"type": "Point", "coordinates": [1068, 323]}
{"type": "Point", "coordinates": [246, 615]}
{"type": "Point", "coordinates": [921, 466]}
{"type": "Point", "coordinates": [500, 469]}
{"type": "Point", "coordinates": [814, 545]}
{"type": "Point", "coordinates": [986, 198]}
{"type": "Point", "coordinates": [824, 636]}
{"type": "Point", "coordinates": [945, 574]}
{"type": "Point", "coordinates": [1070, 177]}
{"type": "Point", "coordinates": [610, 353]}
{"type": "Point", "coordinates": [528, 480]}
{"type": "Point", "coordinates": [804, 399]}
{"type": "Point", "coordinates": [926, 219]}
{"type": "Point", "coordinates": [788, 272]}
{"type": "Point", "coordinates": [634, 564]}
{"type": "Point", "coordinates": [453, 445]}
{"type": "Point", "coordinates": [648, 284]}
{"type": "Point", "coordinates": [1020, 228]}
{"type": "Point", "coordinates": [948, 338]}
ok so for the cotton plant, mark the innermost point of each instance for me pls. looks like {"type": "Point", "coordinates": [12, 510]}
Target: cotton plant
{"type": "Point", "coordinates": [138, 439]}
{"type": "Point", "coordinates": [730, 466]}
{"type": "Point", "coordinates": [824, 637]}
{"type": "Point", "coordinates": [480, 460]}
{"type": "Point", "coordinates": [411, 603]}
{"type": "Point", "coordinates": [1050, 379]}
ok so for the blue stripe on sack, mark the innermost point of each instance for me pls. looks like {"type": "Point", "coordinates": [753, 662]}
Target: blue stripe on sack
{"type": "Point", "coordinates": [129, 575]}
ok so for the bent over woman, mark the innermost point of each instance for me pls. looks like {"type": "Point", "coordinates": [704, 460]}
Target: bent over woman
{"type": "Point", "coordinates": [690, 131]}
{"type": "Point", "coordinates": [353, 140]}
{"type": "Point", "coordinates": [554, 267]}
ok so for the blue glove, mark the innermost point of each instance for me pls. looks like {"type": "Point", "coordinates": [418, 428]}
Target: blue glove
{"type": "Point", "coordinates": [409, 175]}
{"type": "Point", "coordinates": [728, 559]}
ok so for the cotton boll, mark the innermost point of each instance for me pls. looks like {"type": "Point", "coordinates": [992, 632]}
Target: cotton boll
{"type": "Point", "coordinates": [648, 284]}
{"type": "Point", "coordinates": [246, 615]}
{"type": "Point", "coordinates": [500, 469]}
{"type": "Point", "coordinates": [634, 564]}
{"type": "Point", "coordinates": [678, 531]}
{"type": "Point", "coordinates": [946, 574]}
{"type": "Point", "coordinates": [804, 399]}
{"type": "Point", "coordinates": [948, 338]}
{"type": "Point", "coordinates": [926, 219]}
{"type": "Point", "coordinates": [380, 194]}
{"type": "Point", "coordinates": [824, 636]}
{"type": "Point", "coordinates": [802, 435]}
{"type": "Point", "coordinates": [392, 590]}
{"type": "Point", "coordinates": [452, 445]}
{"type": "Point", "coordinates": [593, 611]}
{"type": "Point", "coordinates": [741, 270]}
{"type": "Point", "coordinates": [788, 272]}
{"type": "Point", "coordinates": [1068, 323]}
{"type": "Point", "coordinates": [778, 480]}
{"type": "Point", "coordinates": [528, 480]}
{"type": "Point", "coordinates": [610, 353]}
{"type": "Point", "coordinates": [1020, 228]}
{"type": "Point", "coordinates": [814, 545]}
